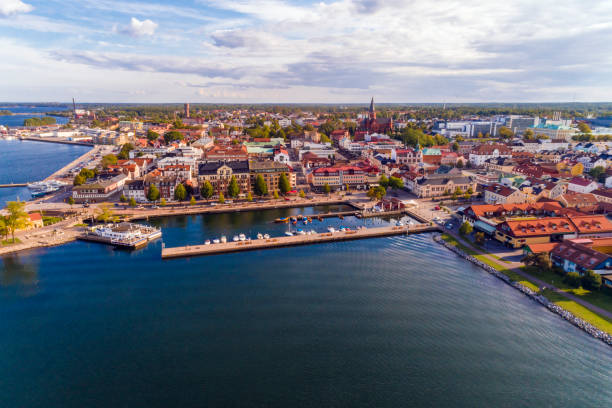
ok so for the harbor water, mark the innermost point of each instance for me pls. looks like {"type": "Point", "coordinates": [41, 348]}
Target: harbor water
{"type": "Point", "coordinates": [385, 322]}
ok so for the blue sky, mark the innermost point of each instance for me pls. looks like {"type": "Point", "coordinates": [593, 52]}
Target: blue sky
{"type": "Point", "coordinates": [289, 51]}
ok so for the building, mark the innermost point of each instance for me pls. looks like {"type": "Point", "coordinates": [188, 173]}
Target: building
{"type": "Point", "coordinates": [337, 177]}
{"type": "Point", "coordinates": [481, 153]}
{"type": "Point", "coordinates": [271, 172]}
{"type": "Point", "coordinates": [98, 190]}
{"type": "Point", "coordinates": [581, 185]}
{"type": "Point", "coordinates": [576, 257]}
{"type": "Point", "coordinates": [500, 194]}
{"type": "Point", "coordinates": [227, 153]}
{"type": "Point", "coordinates": [135, 189]}
{"type": "Point", "coordinates": [442, 184]}
{"type": "Point", "coordinates": [220, 173]}
{"type": "Point", "coordinates": [519, 233]}
{"type": "Point", "coordinates": [372, 124]}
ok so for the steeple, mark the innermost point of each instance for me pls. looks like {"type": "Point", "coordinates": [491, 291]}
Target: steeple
{"type": "Point", "coordinates": [372, 113]}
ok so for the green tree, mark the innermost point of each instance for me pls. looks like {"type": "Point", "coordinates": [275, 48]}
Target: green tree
{"type": "Point", "coordinates": [106, 214]}
{"type": "Point", "coordinates": [221, 198]}
{"type": "Point", "coordinates": [78, 180]}
{"type": "Point", "coordinates": [124, 154]}
{"type": "Point", "coordinates": [377, 193]}
{"type": "Point", "coordinates": [505, 133]}
{"type": "Point", "coordinates": [71, 201]}
{"type": "Point", "coordinates": [383, 181]}
{"type": "Point", "coordinates": [233, 189]}
{"type": "Point", "coordinates": [172, 136]}
{"type": "Point", "coordinates": [528, 134]}
{"type": "Point", "coordinates": [591, 280]}
{"type": "Point", "coordinates": [275, 195]}
{"type": "Point", "coordinates": [584, 128]}
{"type": "Point", "coordinates": [123, 198]}
{"type": "Point", "coordinates": [597, 172]}
{"type": "Point", "coordinates": [261, 188]}
{"type": "Point", "coordinates": [109, 160]}
{"type": "Point", "coordinates": [572, 279]}
{"type": "Point", "coordinates": [17, 217]}
{"type": "Point", "coordinates": [207, 190]}
{"type": "Point", "coordinates": [325, 138]}
{"type": "Point", "coordinates": [4, 230]}
{"type": "Point", "coordinates": [283, 184]}
{"type": "Point", "coordinates": [153, 193]}
{"type": "Point", "coordinates": [396, 183]}
{"type": "Point", "coordinates": [152, 136]}
{"type": "Point", "coordinates": [455, 147]}
{"type": "Point", "coordinates": [302, 194]}
{"type": "Point", "coordinates": [132, 202]}
{"type": "Point", "coordinates": [326, 188]}
{"type": "Point", "coordinates": [44, 121]}
{"type": "Point", "coordinates": [249, 197]}
{"type": "Point", "coordinates": [192, 201]}
{"type": "Point", "coordinates": [479, 238]}
{"type": "Point", "coordinates": [162, 202]}
{"type": "Point", "coordinates": [466, 228]}
{"type": "Point", "coordinates": [180, 193]}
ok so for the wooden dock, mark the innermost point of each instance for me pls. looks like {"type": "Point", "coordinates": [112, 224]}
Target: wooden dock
{"type": "Point", "coordinates": [284, 241]}
{"type": "Point", "coordinates": [10, 185]}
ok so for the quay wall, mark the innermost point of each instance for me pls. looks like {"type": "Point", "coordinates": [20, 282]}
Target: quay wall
{"type": "Point", "coordinates": [570, 317]}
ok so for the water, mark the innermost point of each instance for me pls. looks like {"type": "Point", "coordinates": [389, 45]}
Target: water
{"type": "Point", "coordinates": [386, 322]}
{"type": "Point", "coordinates": [25, 112]}
{"type": "Point", "coordinates": [25, 161]}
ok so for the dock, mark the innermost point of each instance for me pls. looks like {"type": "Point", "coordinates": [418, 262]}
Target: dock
{"type": "Point", "coordinates": [10, 185]}
{"type": "Point", "coordinates": [285, 241]}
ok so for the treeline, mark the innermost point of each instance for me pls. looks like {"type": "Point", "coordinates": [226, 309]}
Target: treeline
{"type": "Point", "coordinates": [5, 113]}
{"type": "Point", "coordinates": [45, 120]}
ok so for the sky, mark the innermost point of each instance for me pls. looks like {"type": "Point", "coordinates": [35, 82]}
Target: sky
{"type": "Point", "coordinates": [280, 51]}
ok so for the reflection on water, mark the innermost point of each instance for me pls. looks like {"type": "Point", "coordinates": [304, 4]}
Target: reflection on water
{"type": "Point", "coordinates": [14, 273]}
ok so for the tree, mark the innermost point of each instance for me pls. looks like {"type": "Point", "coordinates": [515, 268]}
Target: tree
{"type": "Point", "coordinates": [383, 181]}
{"type": "Point", "coordinates": [132, 202]}
{"type": "Point", "coordinates": [233, 189]}
{"type": "Point", "coordinates": [123, 198]}
{"type": "Point", "coordinates": [479, 238]}
{"type": "Point", "coordinates": [78, 180]}
{"type": "Point", "coordinates": [180, 193]}
{"type": "Point", "coordinates": [325, 138]}
{"type": "Point", "coordinates": [302, 194]}
{"type": "Point", "coordinates": [153, 193]}
{"type": "Point", "coordinates": [506, 133]}
{"type": "Point", "coordinates": [106, 214]}
{"type": "Point", "coordinates": [109, 160]}
{"type": "Point", "coordinates": [4, 230]}
{"type": "Point", "coordinates": [261, 188]}
{"type": "Point", "coordinates": [162, 202]}
{"type": "Point", "coordinates": [221, 197]}
{"type": "Point", "coordinates": [124, 154]}
{"type": "Point", "coordinates": [249, 197]}
{"type": "Point", "coordinates": [192, 201]}
{"type": "Point", "coordinates": [396, 183]}
{"type": "Point", "coordinates": [377, 193]}
{"type": "Point", "coordinates": [455, 147]}
{"type": "Point", "coordinates": [591, 280]}
{"type": "Point", "coordinates": [207, 190]}
{"type": "Point", "coordinates": [17, 217]}
{"type": "Point", "coordinates": [467, 195]}
{"type": "Point", "coordinates": [572, 279]}
{"type": "Point", "coordinates": [152, 136]}
{"type": "Point", "coordinates": [459, 164]}
{"type": "Point", "coordinates": [528, 134]}
{"type": "Point", "coordinates": [71, 201]}
{"type": "Point", "coordinates": [466, 228]}
{"type": "Point", "coordinates": [275, 195]}
{"type": "Point", "coordinates": [584, 128]}
{"type": "Point", "coordinates": [172, 136]}
{"type": "Point", "coordinates": [283, 184]}
{"type": "Point", "coordinates": [326, 188]}
{"type": "Point", "coordinates": [457, 193]}
{"type": "Point", "coordinates": [596, 172]}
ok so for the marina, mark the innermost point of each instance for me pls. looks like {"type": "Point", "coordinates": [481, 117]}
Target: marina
{"type": "Point", "coordinates": [294, 239]}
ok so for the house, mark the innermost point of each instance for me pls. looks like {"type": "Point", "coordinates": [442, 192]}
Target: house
{"type": "Point", "coordinates": [227, 153]}
{"type": "Point", "coordinates": [271, 172]}
{"type": "Point", "coordinates": [99, 189]}
{"type": "Point", "coordinates": [577, 200]}
{"type": "Point", "coordinates": [135, 189]}
{"type": "Point", "coordinates": [442, 184]}
{"type": "Point", "coordinates": [165, 184]}
{"type": "Point", "coordinates": [592, 226]}
{"type": "Point", "coordinates": [36, 220]}
{"type": "Point", "coordinates": [500, 194]}
{"type": "Point", "coordinates": [576, 257]}
{"type": "Point", "coordinates": [281, 155]}
{"type": "Point", "coordinates": [488, 212]}
{"type": "Point", "coordinates": [581, 185]}
{"type": "Point", "coordinates": [603, 195]}
{"type": "Point", "coordinates": [220, 173]}
{"type": "Point", "coordinates": [519, 233]}
{"type": "Point", "coordinates": [483, 152]}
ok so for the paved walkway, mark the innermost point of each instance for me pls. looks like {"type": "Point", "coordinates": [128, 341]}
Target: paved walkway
{"type": "Point", "coordinates": [515, 267]}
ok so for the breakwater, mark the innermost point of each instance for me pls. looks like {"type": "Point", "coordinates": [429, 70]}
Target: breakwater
{"type": "Point", "coordinates": [570, 317]}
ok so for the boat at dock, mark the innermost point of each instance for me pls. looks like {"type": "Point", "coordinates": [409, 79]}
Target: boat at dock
{"type": "Point", "coordinates": [124, 234]}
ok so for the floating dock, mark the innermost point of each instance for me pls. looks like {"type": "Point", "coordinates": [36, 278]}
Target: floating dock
{"type": "Point", "coordinates": [277, 242]}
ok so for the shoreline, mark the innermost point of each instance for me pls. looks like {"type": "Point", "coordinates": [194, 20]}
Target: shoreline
{"type": "Point", "coordinates": [556, 309]}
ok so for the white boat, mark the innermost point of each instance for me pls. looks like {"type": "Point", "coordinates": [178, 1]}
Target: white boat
{"type": "Point", "coordinates": [300, 232]}
{"type": "Point", "coordinates": [331, 229]}
{"type": "Point", "coordinates": [207, 242]}
{"type": "Point", "coordinates": [223, 239]}
{"type": "Point", "coordinates": [242, 237]}
{"type": "Point", "coordinates": [313, 232]}
{"type": "Point", "coordinates": [289, 233]}
{"type": "Point", "coordinates": [266, 236]}
{"type": "Point", "coordinates": [235, 239]}
{"type": "Point", "coordinates": [216, 241]}
{"type": "Point", "coordinates": [400, 224]}
{"type": "Point", "coordinates": [259, 236]}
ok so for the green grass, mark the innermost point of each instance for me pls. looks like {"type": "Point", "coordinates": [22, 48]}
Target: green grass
{"type": "Point", "coordinates": [580, 311]}
{"type": "Point", "coordinates": [81, 225]}
{"type": "Point", "coordinates": [50, 220]}
{"type": "Point", "coordinates": [10, 241]}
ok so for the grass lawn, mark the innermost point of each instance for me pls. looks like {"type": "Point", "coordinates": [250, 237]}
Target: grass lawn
{"type": "Point", "coordinates": [580, 311]}
{"type": "Point", "coordinates": [11, 242]}
{"type": "Point", "coordinates": [50, 220]}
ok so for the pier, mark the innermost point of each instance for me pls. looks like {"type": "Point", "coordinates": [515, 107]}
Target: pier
{"type": "Point", "coordinates": [278, 242]}
{"type": "Point", "coordinates": [13, 185]}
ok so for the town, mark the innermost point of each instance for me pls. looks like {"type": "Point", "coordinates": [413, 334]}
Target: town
{"type": "Point", "coordinates": [530, 193]}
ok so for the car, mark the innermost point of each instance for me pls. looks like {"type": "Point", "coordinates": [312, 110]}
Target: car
{"type": "Point", "coordinates": [437, 208]}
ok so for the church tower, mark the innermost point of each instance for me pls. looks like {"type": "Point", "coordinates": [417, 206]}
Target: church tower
{"type": "Point", "coordinates": [372, 113]}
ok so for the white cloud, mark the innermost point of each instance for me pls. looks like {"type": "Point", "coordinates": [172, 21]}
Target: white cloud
{"type": "Point", "coordinates": [10, 7]}
{"type": "Point", "coordinates": [139, 28]}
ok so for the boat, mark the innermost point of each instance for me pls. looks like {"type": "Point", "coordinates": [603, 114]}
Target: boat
{"type": "Point", "coordinates": [279, 220]}
{"type": "Point", "coordinates": [341, 216]}
{"type": "Point", "coordinates": [235, 239]}
{"type": "Point", "coordinates": [223, 239]}
{"type": "Point", "coordinates": [242, 237]}
{"type": "Point", "coordinates": [320, 218]}
{"type": "Point", "coordinates": [301, 232]}
{"type": "Point", "coordinates": [289, 233]}
{"type": "Point", "coordinates": [400, 224]}
{"type": "Point", "coordinates": [331, 229]}
{"type": "Point", "coordinates": [207, 242]}
{"type": "Point", "coordinates": [305, 221]}
{"type": "Point", "coordinates": [124, 234]}
{"type": "Point", "coordinates": [313, 232]}
{"type": "Point", "coordinates": [216, 241]}
{"type": "Point", "coordinates": [259, 236]}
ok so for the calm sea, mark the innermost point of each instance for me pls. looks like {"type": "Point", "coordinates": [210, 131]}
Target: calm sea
{"type": "Point", "coordinates": [387, 322]}
{"type": "Point", "coordinates": [22, 113]}
{"type": "Point", "coordinates": [25, 161]}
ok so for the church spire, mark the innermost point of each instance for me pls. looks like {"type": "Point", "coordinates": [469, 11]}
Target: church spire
{"type": "Point", "coordinates": [372, 113]}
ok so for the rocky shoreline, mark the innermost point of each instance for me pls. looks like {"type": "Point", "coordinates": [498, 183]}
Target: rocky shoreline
{"type": "Point", "coordinates": [570, 317]}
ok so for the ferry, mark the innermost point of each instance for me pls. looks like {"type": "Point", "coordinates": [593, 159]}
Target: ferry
{"type": "Point", "coordinates": [41, 188]}
{"type": "Point", "coordinates": [124, 234]}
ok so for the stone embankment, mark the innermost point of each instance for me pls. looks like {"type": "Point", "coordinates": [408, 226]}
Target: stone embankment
{"type": "Point", "coordinates": [570, 317]}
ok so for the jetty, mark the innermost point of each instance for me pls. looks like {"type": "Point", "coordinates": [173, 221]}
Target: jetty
{"type": "Point", "coordinates": [278, 242]}
{"type": "Point", "coordinates": [10, 185]}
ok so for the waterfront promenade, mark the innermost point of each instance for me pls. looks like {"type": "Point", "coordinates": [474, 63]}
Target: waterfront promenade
{"type": "Point", "coordinates": [278, 242]}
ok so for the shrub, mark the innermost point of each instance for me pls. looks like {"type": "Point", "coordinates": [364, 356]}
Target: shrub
{"type": "Point", "coordinates": [572, 279]}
